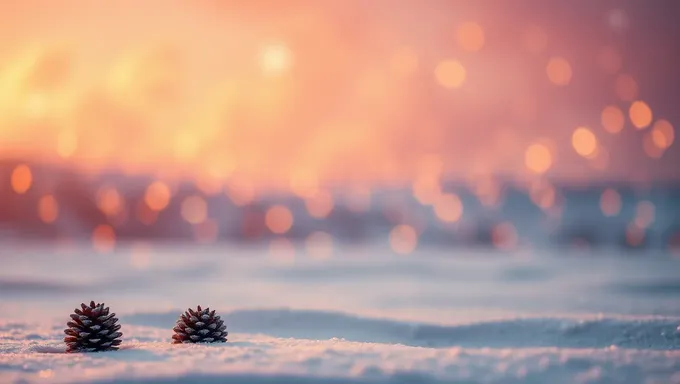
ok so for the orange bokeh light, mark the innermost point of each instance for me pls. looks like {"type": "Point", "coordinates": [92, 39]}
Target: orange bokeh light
{"type": "Point", "coordinates": [470, 36]}
{"type": "Point", "coordinates": [610, 202]}
{"type": "Point", "coordinates": [650, 148]}
{"type": "Point", "coordinates": [613, 119]}
{"type": "Point", "coordinates": [103, 238]}
{"type": "Point", "coordinates": [559, 71]}
{"type": "Point", "coordinates": [404, 61]}
{"type": "Point", "coordinates": [450, 73]}
{"type": "Point", "coordinates": [48, 209]}
{"type": "Point", "coordinates": [448, 208]}
{"type": "Point", "coordinates": [403, 239]}
{"type": "Point", "coordinates": [194, 209]}
{"type": "Point", "coordinates": [109, 201]}
{"type": "Point", "coordinates": [157, 196]}
{"type": "Point", "coordinates": [279, 219]}
{"type": "Point", "coordinates": [21, 179]}
{"type": "Point", "coordinates": [320, 204]}
{"type": "Point", "coordinates": [640, 114]}
{"type": "Point", "coordinates": [663, 134]}
{"type": "Point", "coordinates": [584, 142]}
{"type": "Point", "coordinates": [538, 158]}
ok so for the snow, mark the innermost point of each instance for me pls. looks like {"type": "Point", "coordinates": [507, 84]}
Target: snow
{"type": "Point", "coordinates": [363, 316]}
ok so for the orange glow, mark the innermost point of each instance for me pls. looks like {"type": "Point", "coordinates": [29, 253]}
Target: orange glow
{"type": "Point", "coordinates": [279, 219]}
{"type": "Point", "coordinates": [157, 196]}
{"type": "Point", "coordinates": [404, 62]}
{"type": "Point", "coordinates": [640, 114]}
{"type": "Point", "coordinates": [240, 192]}
{"type": "Point", "coordinates": [538, 158]}
{"type": "Point", "coordinates": [470, 36]}
{"type": "Point", "coordinates": [48, 210]}
{"type": "Point", "coordinates": [542, 194]}
{"type": "Point", "coordinates": [610, 202]}
{"type": "Point", "coordinates": [21, 179]}
{"type": "Point", "coordinates": [320, 205]}
{"type": "Point", "coordinates": [584, 142]}
{"type": "Point", "coordinates": [559, 71]}
{"type": "Point", "coordinates": [663, 134]}
{"type": "Point", "coordinates": [319, 245]}
{"type": "Point", "coordinates": [644, 214]}
{"type": "Point", "coordinates": [649, 146]}
{"type": "Point", "coordinates": [304, 184]}
{"type": "Point", "coordinates": [450, 73]}
{"type": "Point", "coordinates": [612, 119]}
{"type": "Point", "coordinates": [626, 87]}
{"type": "Point", "coordinates": [67, 143]}
{"type": "Point", "coordinates": [109, 201]}
{"type": "Point", "coordinates": [276, 59]}
{"type": "Point", "coordinates": [194, 209]}
{"type": "Point", "coordinates": [403, 239]}
{"type": "Point", "coordinates": [145, 215]}
{"type": "Point", "coordinates": [448, 208]}
{"type": "Point", "coordinates": [103, 238]}
{"type": "Point", "coordinates": [609, 60]}
{"type": "Point", "coordinates": [504, 236]}
{"type": "Point", "coordinates": [426, 190]}
{"type": "Point", "coordinates": [534, 39]}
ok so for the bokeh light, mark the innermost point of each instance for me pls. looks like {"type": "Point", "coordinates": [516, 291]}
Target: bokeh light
{"type": "Point", "coordinates": [538, 158]}
{"type": "Point", "coordinates": [470, 36]}
{"type": "Point", "coordinates": [48, 209]}
{"type": "Point", "coordinates": [279, 219]}
{"type": "Point", "coordinates": [663, 134]}
{"type": "Point", "coordinates": [559, 71]}
{"type": "Point", "coordinates": [613, 119]}
{"type": "Point", "coordinates": [157, 196]}
{"type": "Point", "coordinates": [448, 208]}
{"type": "Point", "coordinates": [610, 202]}
{"type": "Point", "coordinates": [194, 209]}
{"type": "Point", "coordinates": [21, 179]}
{"type": "Point", "coordinates": [450, 73]}
{"type": "Point", "coordinates": [640, 114]}
{"type": "Point", "coordinates": [584, 142]}
{"type": "Point", "coordinates": [403, 239]}
{"type": "Point", "coordinates": [103, 238]}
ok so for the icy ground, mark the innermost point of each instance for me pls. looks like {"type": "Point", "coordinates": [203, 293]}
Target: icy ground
{"type": "Point", "coordinates": [362, 316]}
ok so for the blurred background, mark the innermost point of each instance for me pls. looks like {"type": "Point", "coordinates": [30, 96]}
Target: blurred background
{"type": "Point", "coordinates": [306, 126]}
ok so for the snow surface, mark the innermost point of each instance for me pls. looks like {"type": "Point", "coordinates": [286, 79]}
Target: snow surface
{"type": "Point", "coordinates": [363, 316]}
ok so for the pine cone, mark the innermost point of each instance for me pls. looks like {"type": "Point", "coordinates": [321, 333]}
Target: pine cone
{"type": "Point", "coordinates": [93, 329]}
{"type": "Point", "coordinates": [200, 326]}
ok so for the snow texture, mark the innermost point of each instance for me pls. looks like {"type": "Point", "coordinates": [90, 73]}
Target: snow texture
{"type": "Point", "coordinates": [363, 317]}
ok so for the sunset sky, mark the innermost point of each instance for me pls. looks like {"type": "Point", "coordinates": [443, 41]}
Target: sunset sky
{"type": "Point", "coordinates": [286, 92]}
